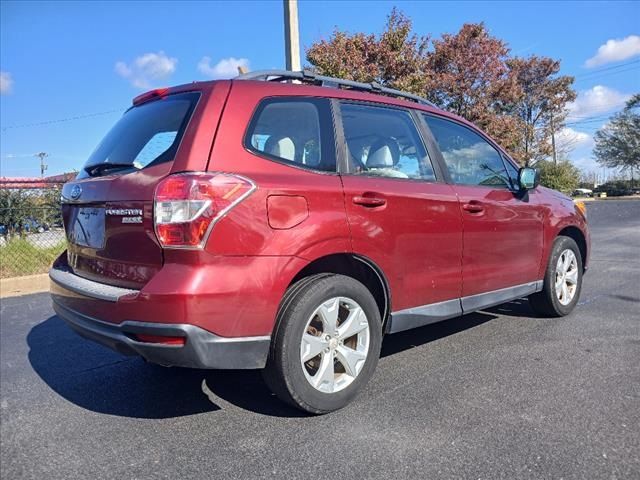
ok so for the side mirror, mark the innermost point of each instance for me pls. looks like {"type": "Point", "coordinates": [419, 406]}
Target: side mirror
{"type": "Point", "coordinates": [528, 178]}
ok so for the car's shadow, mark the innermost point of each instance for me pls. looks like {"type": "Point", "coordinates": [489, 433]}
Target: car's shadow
{"type": "Point", "coordinates": [95, 378]}
{"type": "Point", "coordinates": [515, 308]}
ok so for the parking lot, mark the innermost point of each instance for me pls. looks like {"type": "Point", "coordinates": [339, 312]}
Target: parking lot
{"type": "Point", "coordinates": [497, 394]}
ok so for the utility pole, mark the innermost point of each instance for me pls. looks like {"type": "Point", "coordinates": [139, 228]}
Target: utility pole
{"type": "Point", "coordinates": [43, 166]}
{"type": "Point", "coordinates": [553, 140]}
{"type": "Point", "coordinates": [291, 35]}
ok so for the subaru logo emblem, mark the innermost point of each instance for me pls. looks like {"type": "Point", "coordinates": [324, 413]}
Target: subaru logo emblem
{"type": "Point", "coordinates": [76, 191]}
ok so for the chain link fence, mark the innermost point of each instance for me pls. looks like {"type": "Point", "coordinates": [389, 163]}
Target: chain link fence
{"type": "Point", "coordinates": [31, 238]}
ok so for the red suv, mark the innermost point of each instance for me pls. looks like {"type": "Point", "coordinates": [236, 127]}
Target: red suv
{"type": "Point", "coordinates": [287, 221]}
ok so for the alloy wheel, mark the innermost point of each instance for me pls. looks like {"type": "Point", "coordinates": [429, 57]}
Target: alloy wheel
{"type": "Point", "coordinates": [335, 344]}
{"type": "Point", "coordinates": [566, 283]}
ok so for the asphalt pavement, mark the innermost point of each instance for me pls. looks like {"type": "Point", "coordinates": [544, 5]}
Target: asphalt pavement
{"type": "Point", "coordinates": [497, 394]}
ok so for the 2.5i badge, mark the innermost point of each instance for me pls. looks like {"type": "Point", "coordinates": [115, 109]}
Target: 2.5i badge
{"type": "Point", "coordinates": [129, 215]}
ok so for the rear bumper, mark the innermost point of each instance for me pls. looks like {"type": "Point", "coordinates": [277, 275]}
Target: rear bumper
{"type": "Point", "coordinates": [201, 349]}
{"type": "Point", "coordinates": [230, 297]}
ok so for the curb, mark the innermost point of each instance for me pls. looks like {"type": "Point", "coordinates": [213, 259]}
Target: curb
{"type": "Point", "coordinates": [16, 286]}
{"type": "Point", "coordinates": [605, 199]}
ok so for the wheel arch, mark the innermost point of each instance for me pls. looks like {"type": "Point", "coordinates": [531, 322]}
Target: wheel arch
{"type": "Point", "coordinates": [359, 268]}
{"type": "Point", "coordinates": [579, 237]}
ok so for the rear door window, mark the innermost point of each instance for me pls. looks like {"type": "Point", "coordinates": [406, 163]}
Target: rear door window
{"type": "Point", "coordinates": [384, 142]}
{"type": "Point", "coordinates": [146, 134]}
{"type": "Point", "coordinates": [296, 131]}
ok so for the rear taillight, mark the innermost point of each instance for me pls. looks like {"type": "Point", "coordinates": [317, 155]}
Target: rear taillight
{"type": "Point", "coordinates": [187, 205]}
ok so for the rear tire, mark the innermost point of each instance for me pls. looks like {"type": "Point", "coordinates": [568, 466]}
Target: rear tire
{"type": "Point", "coordinates": [562, 280]}
{"type": "Point", "coordinates": [326, 344]}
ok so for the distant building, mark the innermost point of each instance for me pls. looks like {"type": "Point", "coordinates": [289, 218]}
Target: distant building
{"type": "Point", "coordinates": [33, 183]}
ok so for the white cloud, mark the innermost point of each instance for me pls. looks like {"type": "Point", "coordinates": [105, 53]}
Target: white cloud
{"type": "Point", "coordinates": [615, 50]}
{"type": "Point", "coordinates": [225, 68]}
{"type": "Point", "coordinates": [587, 164]}
{"type": "Point", "coordinates": [6, 83]}
{"type": "Point", "coordinates": [573, 138]}
{"type": "Point", "coordinates": [147, 68]}
{"type": "Point", "coordinates": [599, 99]}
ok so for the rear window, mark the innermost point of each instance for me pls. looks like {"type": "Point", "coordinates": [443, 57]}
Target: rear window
{"type": "Point", "coordinates": [148, 134]}
{"type": "Point", "coordinates": [295, 131]}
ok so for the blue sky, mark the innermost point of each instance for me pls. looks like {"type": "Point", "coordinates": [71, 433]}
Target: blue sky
{"type": "Point", "coordinates": [64, 60]}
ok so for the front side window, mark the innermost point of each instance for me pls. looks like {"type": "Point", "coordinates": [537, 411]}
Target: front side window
{"type": "Point", "coordinates": [384, 142]}
{"type": "Point", "coordinates": [470, 159]}
{"type": "Point", "coordinates": [289, 130]}
{"type": "Point", "coordinates": [513, 173]}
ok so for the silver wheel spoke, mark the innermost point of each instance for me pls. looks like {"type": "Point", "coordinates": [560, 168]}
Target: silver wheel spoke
{"type": "Point", "coordinates": [352, 360]}
{"type": "Point", "coordinates": [572, 277]}
{"type": "Point", "coordinates": [565, 292]}
{"type": "Point", "coordinates": [324, 377]}
{"type": "Point", "coordinates": [558, 280]}
{"type": "Point", "coordinates": [355, 323]}
{"type": "Point", "coordinates": [328, 312]}
{"type": "Point", "coordinates": [312, 346]}
{"type": "Point", "coordinates": [560, 266]}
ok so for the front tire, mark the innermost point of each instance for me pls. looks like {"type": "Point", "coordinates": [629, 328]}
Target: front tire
{"type": "Point", "coordinates": [562, 280]}
{"type": "Point", "coordinates": [326, 345]}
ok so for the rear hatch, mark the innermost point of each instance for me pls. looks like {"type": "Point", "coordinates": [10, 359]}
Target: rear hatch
{"type": "Point", "coordinates": [108, 209]}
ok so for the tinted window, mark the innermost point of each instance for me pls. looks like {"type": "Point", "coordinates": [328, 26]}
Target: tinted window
{"type": "Point", "coordinates": [147, 134]}
{"type": "Point", "coordinates": [290, 130]}
{"type": "Point", "coordinates": [470, 159]}
{"type": "Point", "coordinates": [384, 142]}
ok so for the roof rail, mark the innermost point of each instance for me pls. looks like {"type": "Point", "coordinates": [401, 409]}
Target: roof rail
{"type": "Point", "coordinates": [310, 77]}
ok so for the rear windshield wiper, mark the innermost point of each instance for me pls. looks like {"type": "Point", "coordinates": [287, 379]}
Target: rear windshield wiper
{"type": "Point", "coordinates": [99, 169]}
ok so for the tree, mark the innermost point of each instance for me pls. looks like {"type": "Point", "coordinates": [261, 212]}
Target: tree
{"type": "Point", "coordinates": [15, 207]}
{"type": "Point", "coordinates": [618, 142]}
{"type": "Point", "coordinates": [540, 106]}
{"type": "Point", "coordinates": [562, 176]}
{"type": "Point", "coordinates": [518, 101]}
{"type": "Point", "coordinates": [465, 73]}
{"type": "Point", "coordinates": [469, 77]}
{"type": "Point", "coordinates": [396, 58]}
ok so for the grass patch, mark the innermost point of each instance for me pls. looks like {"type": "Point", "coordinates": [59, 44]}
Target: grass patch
{"type": "Point", "coordinates": [19, 257]}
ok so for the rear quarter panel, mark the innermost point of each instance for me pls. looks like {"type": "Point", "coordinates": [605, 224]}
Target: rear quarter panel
{"type": "Point", "coordinates": [246, 230]}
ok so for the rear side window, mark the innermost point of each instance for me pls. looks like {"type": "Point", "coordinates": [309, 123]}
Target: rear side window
{"type": "Point", "coordinates": [147, 134]}
{"type": "Point", "coordinates": [296, 131]}
{"type": "Point", "coordinates": [470, 159]}
{"type": "Point", "coordinates": [384, 142]}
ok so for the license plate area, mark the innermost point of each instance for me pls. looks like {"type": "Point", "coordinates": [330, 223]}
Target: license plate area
{"type": "Point", "coordinates": [87, 227]}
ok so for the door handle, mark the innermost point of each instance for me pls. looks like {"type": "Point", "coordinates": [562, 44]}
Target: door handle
{"type": "Point", "coordinates": [473, 207]}
{"type": "Point", "coordinates": [369, 201]}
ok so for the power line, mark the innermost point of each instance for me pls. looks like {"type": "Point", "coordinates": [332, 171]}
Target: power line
{"type": "Point", "coordinates": [601, 116]}
{"type": "Point", "coordinates": [608, 106]}
{"type": "Point", "coordinates": [605, 69]}
{"type": "Point", "coordinates": [585, 122]}
{"type": "Point", "coordinates": [606, 74]}
{"type": "Point", "coordinates": [61, 120]}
